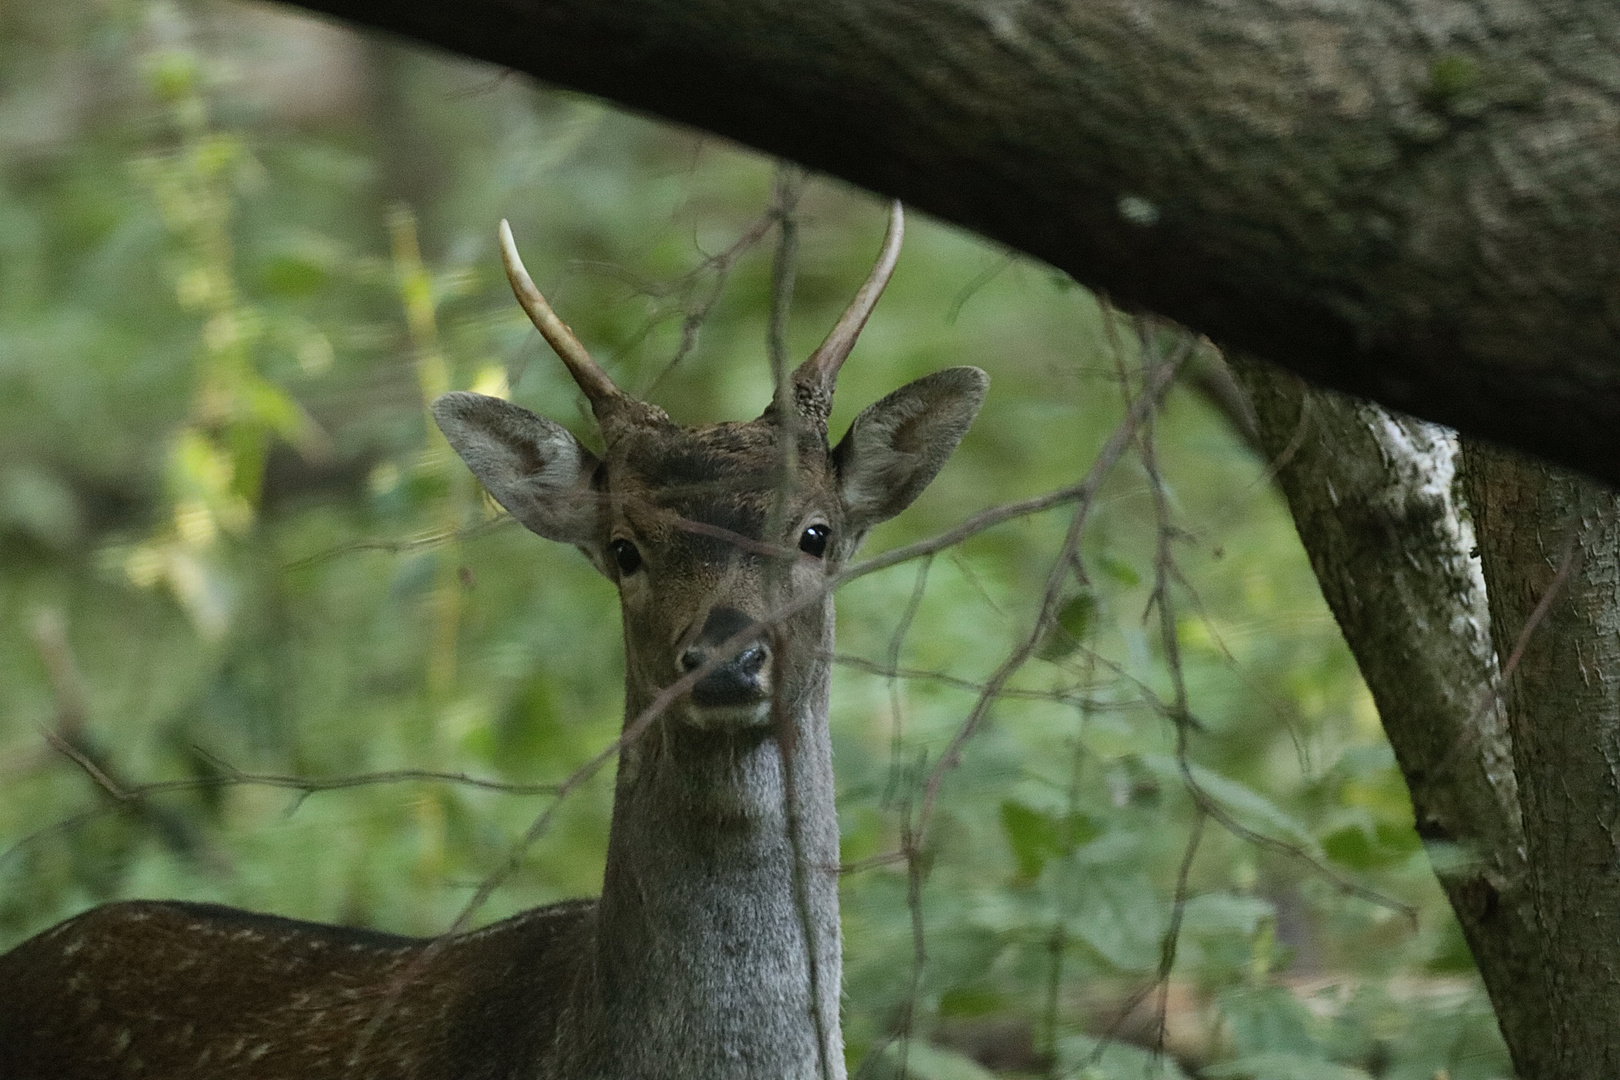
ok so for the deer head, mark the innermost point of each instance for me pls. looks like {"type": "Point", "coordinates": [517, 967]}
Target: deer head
{"type": "Point", "coordinates": [707, 531]}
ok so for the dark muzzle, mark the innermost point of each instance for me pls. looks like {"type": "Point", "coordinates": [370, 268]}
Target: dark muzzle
{"type": "Point", "coordinates": [742, 679]}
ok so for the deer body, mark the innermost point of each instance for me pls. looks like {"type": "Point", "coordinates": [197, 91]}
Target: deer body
{"type": "Point", "coordinates": [713, 952]}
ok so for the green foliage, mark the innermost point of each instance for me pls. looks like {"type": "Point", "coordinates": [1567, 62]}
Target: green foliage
{"type": "Point", "coordinates": [1086, 1058]}
{"type": "Point", "coordinates": [226, 295]}
{"type": "Point", "coordinates": [1035, 837]}
{"type": "Point", "coordinates": [1074, 621]}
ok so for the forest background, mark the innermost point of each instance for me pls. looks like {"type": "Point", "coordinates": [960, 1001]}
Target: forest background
{"type": "Point", "coordinates": [248, 599]}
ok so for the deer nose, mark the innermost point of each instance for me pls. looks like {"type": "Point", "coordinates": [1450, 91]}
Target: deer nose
{"type": "Point", "coordinates": [739, 680]}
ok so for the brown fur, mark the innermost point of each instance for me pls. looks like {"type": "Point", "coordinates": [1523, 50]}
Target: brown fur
{"type": "Point", "coordinates": [163, 989]}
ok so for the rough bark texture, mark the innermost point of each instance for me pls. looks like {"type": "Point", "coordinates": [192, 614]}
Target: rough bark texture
{"type": "Point", "coordinates": [1371, 495]}
{"type": "Point", "coordinates": [1415, 200]}
{"type": "Point", "coordinates": [1541, 530]}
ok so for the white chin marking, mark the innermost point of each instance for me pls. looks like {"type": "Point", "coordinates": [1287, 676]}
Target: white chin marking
{"type": "Point", "coordinates": [728, 717]}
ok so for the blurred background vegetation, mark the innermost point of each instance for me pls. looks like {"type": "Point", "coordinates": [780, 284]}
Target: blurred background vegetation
{"type": "Point", "coordinates": [238, 251]}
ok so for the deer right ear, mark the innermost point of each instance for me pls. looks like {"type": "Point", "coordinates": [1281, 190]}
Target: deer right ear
{"type": "Point", "coordinates": [533, 467]}
{"type": "Point", "coordinates": [896, 446]}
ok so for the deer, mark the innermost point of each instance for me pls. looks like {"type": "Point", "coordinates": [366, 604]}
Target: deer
{"type": "Point", "coordinates": [714, 949]}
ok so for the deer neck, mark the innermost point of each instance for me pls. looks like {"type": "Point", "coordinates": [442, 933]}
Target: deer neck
{"type": "Point", "coordinates": [718, 949]}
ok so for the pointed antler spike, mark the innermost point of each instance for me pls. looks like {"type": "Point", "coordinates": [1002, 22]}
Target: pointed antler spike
{"type": "Point", "coordinates": [816, 376]}
{"type": "Point", "coordinates": [598, 388]}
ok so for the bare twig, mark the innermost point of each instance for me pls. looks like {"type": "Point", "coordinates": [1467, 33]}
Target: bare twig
{"type": "Point", "coordinates": [956, 682]}
{"type": "Point", "coordinates": [1172, 933]}
{"type": "Point", "coordinates": [719, 267]}
{"type": "Point", "coordinates": [420, 542]}
{"type": "Point", "coordinates": [786, 190]}
{"type": "Point", "coordinates": [897, 641]}
{"type": "Point", "coordinates": [1165, 572]}
{"type": "Point", "coordinates": [1139, 409]}
{"type": "Point", "coordinates": [94, 771]}
{"type": "Point", "coordinates": [787, 187]}
{"type": "Point", "coordinates": [919, 941]}
{"type": "Point", "coordinates": [984, 277]}
{"type": "Point", "coordinates": [913, 831]}
{"type": "Point", "coordinates": [124, 794]}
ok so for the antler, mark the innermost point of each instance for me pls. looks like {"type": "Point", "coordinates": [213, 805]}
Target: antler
{"type": "Point", "coordinates": [813, 381]}
{"type": "Point", "coordinates": [603, 395]}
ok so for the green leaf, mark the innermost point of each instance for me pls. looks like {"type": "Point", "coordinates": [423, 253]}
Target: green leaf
{"type": "Point", "coordinates": [1121, 917]}
{"type": "Point", "coordinates": [1351, 846]}
{"type": "Point", "coordinates": [40, 503]}
{"type": "Point", "coordinates": [1365, 844]}
{"type": "Point", "coordinates": [293, 274]}
{"type": "Point", "coordinates": [1265, 1020]}
{"type": "Point", "coordinates": [1035, 837]}
{"type": "Point", "coordinates": [1225, 913]}
{"type": "Point", "coordinates": [1085, 1058]}
{"type": "Point", "coordinates": [1031, 837]}
{"type": "Point", "coordinates": [1282, 1066]}
{"type": "Point", "coordinates": [1119, 570]}
{"type": "Point", "coordinates": [1071, 626]}
{"type": "Point", "coordinates": [273, 408]}
{"type": "Point", "coordinates": [1453, 75]}
{"type": "Point", "coordinates": [968, 1001]}
{"type": "Point", "coordinates": [172, 74]}
{"type": "Point", "coordinates": [925, 1061]}
{"type": "Point", "coordinates": [1250, 808]}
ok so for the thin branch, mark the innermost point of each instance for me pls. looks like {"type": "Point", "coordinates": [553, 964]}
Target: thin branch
{"type": "Point", "coordinates": [694, 315]}
{"type": "Point", "coordinates": [1172, 933]}
{"type": "Point", "coordinates": [124, 795]}
{"type": "Point", "coordinates": [310, 785]}
{"type": "Point", "coordinates": [1165, 572]}
{"type": "Point", "coordinates": [95, 772]}
{"type": "Point", "coordinates": [911, 849]}
{"type": "Point", "coordinates": [1123, 435]}
{"type": "Point", "coordinates": [1058, 939]}
{"type": "Point", "coordinates": [1273, 703]}
{"type": "Point", "coordinates": [892, 677]}
{"type": "Point", "coordinates": [786, 189]}
{"type": "Point", "coordinates": [956, 682]}
{"type": "Point", "coordinates": [984, 277]}
{"type": "Point", "coordinates": [420, 542]}
{"type": "Point", "coordinates": [912, 832]}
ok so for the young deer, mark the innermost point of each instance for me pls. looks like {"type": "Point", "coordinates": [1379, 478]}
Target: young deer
{"type": "Point", "coordinates": [713, 952]}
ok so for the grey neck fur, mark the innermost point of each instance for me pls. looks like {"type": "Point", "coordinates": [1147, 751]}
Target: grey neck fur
{"type": "Point", "coordinates": [706, 972]}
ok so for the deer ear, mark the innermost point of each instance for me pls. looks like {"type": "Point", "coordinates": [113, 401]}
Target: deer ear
{"type": "Point", "coordinates": [896, 446]}
{"type": "Point", "coordinates": [533, 467]}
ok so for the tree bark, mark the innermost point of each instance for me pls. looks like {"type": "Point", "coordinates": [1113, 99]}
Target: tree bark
{"type": "Point", "coordinates": [1414, 200]}
{"type": "Point", "coordinates": [1550, 543]}
{"type": "Point", "coordinates": [1371, 496]}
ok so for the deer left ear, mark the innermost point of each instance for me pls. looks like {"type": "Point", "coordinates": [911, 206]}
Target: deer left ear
{"type": "Point", "coordinates": [896, 446]}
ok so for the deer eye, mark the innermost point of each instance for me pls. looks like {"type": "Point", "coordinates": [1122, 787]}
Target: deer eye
{"type": "Point", "coordinates": [813, 541]}
{"type": "Point", "coordinates": [625, 555]}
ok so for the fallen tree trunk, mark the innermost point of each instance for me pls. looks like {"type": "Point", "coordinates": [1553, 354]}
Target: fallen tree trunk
{"type": "Point", "coordinates": [1416, 202]}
